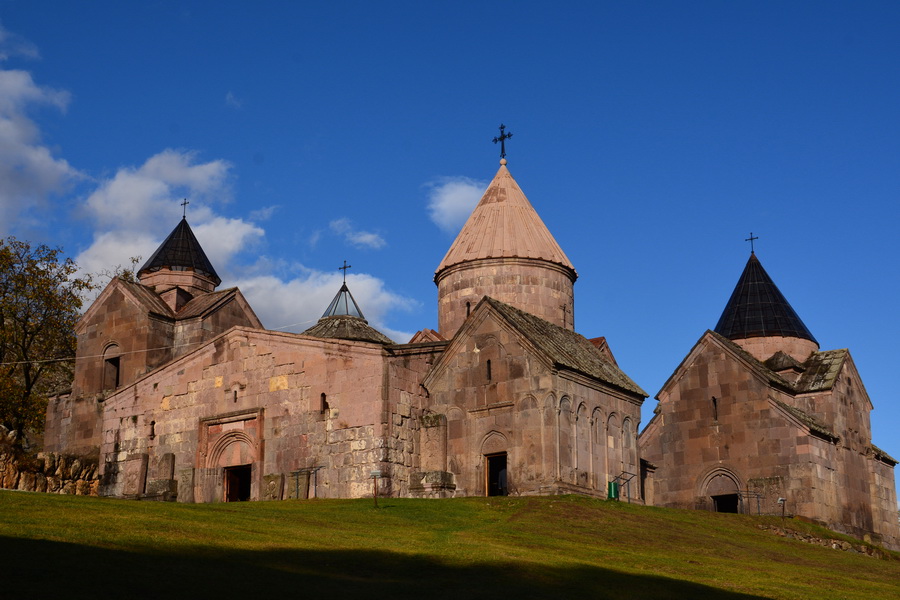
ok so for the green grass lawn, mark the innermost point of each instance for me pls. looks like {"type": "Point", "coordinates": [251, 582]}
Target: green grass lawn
{"type": "Point", "coordinates": [551, 547]}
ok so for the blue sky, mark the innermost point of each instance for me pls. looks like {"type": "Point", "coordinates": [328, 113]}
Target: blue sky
{"type": "Point", "coordinates": [652, 138]}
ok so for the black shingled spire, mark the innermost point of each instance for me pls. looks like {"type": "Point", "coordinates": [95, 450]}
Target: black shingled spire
{"type": "Point", "coordinates": [758, 309]}
{"type": "Point", "coordinates": [181, 250]}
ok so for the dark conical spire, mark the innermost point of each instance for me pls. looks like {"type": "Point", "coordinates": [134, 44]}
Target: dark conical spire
{"type": "Point", "coordinates": [181, 251]}
{"type": "Point", "coordinates": [343, 305]}
{"type": "Point", "coordinates": [758, 309]}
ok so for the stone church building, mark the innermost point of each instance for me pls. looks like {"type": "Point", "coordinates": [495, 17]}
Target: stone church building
{"type": "Point", "coordinates": [185, 395]}
{"type": "Point", "coordinates": [181, 393]}
{"type": "Point", "coordinates": [756, 416]}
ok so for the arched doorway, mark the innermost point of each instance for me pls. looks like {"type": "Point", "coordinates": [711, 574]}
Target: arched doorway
{"type": "Point", "coordinates": [723, 489]}
{"type": "Point", "coordinates": [496, 474]}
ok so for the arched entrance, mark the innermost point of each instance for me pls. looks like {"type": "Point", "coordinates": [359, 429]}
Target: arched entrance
{"type": "Point", "coordinates": [723, 489]}
{"type": "Point", "coordinates": [496, 478]}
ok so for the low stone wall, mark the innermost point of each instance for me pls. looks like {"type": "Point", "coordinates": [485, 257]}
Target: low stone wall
{"type": "Point", "coordinates": [834, 544]}
{"type": "Point", "coordinates": [48, 472]}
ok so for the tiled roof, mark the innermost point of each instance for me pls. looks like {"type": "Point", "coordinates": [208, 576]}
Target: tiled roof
{"type": "Point", "coordinates": [345, 327]}
{"type": "Point", "coordinates": [883, 456]}
{"type": "Point", "coordinates": [565, 348]}
{"type": "Point", "coordinates": [758, 309]}
{"type": "Point", "coordinates": [767, 373]}
{"type": "Point", "coordinates": [181, 250]}
{"type": "Point", "coordinates": [821, 370]}
{"type": "Point", "coordinates": [203, 302]}
{"type": "Point", "coordinates": [504, 225]}
{"type": "Point", "coordinates": [814, 424]}
{"type": "Point", "coordinates": [149, 298]}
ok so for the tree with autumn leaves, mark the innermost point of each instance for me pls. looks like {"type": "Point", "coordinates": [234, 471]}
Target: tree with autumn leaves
{"type": "Point", "coordinates": [40, 302]}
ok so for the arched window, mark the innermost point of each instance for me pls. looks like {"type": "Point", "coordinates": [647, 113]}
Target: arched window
{"type": "Point", "coordinates": [111, 367]}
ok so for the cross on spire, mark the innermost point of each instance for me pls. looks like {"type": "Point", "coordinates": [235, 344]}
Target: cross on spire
{"type": "Point", "coordinates": [751, 239]}
{"type": "Point", "coordinates": [502, 139]}
{"type": "Point", "coordinates": [344, 269]}
{"type": "Point", "coordinates": [184, 208]}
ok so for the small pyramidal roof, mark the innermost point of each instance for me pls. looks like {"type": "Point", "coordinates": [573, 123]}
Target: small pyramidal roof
{"type": "Point", "coordinates": [504, 224]}
{"type": "Point", "coordinates": [344, 321]}
{"type": "Point", "coordinates": [758, 309]}
{"type": "Point", "coordinates": [181, 250]}
{"type": "Point", "coordinates": [343, 305]}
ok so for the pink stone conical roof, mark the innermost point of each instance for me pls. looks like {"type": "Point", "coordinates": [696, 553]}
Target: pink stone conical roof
{"type": "Point", "coordinates": [504, 225]}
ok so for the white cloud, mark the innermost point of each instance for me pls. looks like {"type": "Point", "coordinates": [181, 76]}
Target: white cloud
{"type": "Point", "coordinates": [232, 101]}
{"type": "Point", "coordinates": [357, 238]}
{"type": "Point", "coordinates": [29, 174]}
{"type": "Point", "coordinates": [12, 44]}
{"type": "Point", "coordinates": [452, 199]}
{"type": "Point", "coordinates": [297, 304]}
{"type": "Point", "coordinates": [136, 208]}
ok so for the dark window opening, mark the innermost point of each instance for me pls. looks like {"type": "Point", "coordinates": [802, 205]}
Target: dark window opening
{"type": "Point", "coordinates": [468, 308]}
{"type": "Point", "coordinates": [152, 429]}
{"type": "Point", "coordinates": [111, 373]}
{"type": "Point", "coordinates": [323, 403]}
{"type": "Point", "coordinates": [488, 370]}
{"type": "Point", "coordinates": [726, 503]}
{"type": "Point", "coordinates": [715, 404]}
{"type": "Point", "coordinates": [496, 474]}
{"type": "Point", "coordinates": [234, 395]}
{"type": "Point", "coordinates": [237, 483]}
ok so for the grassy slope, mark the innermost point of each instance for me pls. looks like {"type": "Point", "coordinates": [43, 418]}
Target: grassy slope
{"type": "Point", "coordinates": [75, 547]}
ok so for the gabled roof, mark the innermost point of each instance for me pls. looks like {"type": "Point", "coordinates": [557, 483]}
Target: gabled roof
{"type": "Point", "coordinates": [818, 373]}
{"type": "Point", "coordinates": [821, 370]}
{"type": "Point", "coordinates": [181, 250]}
{"type": "Point", "coordinates": [504, 225]}
{"type": "Point", "coordinates": [565, 348]}
{"type": "Point", "coordinates": [815, 426]}
{"type": "Point", "coordinates": [757, 308]}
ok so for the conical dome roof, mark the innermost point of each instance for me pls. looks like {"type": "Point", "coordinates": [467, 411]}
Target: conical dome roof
{"type": "Point", "coordinates": [343, 320]}
{"type": "Point", "coordinates": [757, 308]}
{"type": "Point", "coordinates": [504, 224]}
{"type": "Point", "coordinates": [181, 251]}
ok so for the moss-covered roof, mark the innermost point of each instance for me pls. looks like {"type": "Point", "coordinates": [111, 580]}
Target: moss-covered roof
{"type": "Point", "coordinates": [566, 348]}
{"type": "Point", "coordinates": [814, 424]}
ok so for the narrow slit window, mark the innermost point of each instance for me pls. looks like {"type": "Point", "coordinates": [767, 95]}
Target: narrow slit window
{"type": "Point", "coordinates": [468, 308]}
{"type": "Point", "coordinates": [488, 370]}
{"type": "Point", "coordinates": [323, 403]}
{"type": "Point", "coordinates": [715, 407]}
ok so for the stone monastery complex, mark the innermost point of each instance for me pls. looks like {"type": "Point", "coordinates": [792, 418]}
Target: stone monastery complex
{"type": "Point", "coordinates": [183, 395]}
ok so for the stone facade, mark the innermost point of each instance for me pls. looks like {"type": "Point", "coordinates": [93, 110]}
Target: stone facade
{"type": "Point", "coordinates": [746, 423]}
{"type": "Point", "coordinates": [186, 397]}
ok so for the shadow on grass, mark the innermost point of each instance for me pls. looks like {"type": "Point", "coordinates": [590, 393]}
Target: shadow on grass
{"type": "Point", "coordinates": [36, 567]}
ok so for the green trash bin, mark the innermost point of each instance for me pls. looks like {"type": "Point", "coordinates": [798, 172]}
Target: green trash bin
{"type": "Point", "coordinates": [612, 493]}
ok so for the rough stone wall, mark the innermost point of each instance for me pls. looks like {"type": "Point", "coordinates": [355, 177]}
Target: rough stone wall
{"type": "Point", "coordinates": [562, 433]}
{"type": "Point", "coordinates": [884, 494]}
{"type": "Point", "coordinates": [746, 437]}
{"type": "Point", "coordinates": [47, 471]}
{"type": "Point", "coordinates": [72, 424]}
{"type": "Point", "coordinates": [405, 411]}
{"type": "Point", "coordinates": [274, 379]}
{"type": "Point", "coordinates": [144, 342]}
{"type": "Point", "coordinates": [189, 333]}
{"type": "Point", "coordinates": [538, 287]}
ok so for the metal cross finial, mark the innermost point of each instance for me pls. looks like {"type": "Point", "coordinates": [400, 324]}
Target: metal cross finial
{"type": "Point", "coordinates": [184, 208]}
{"type": "Point", "coordinates": [750, 239]}
{"type": "Point", "coordinates": [344, 269]}
{"type": "Point", "coordinates": [502, 139]}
